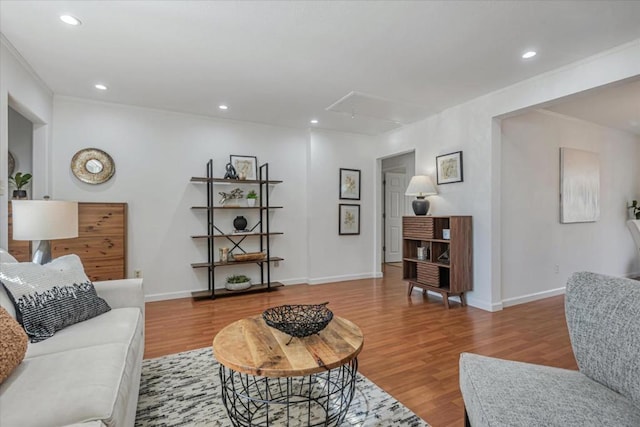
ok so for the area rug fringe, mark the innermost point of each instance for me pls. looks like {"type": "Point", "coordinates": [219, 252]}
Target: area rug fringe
{"type": "Point", "coordinates": [184, 390]}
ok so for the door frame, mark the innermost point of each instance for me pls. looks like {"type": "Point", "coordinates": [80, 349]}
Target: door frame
{"type": "Point", "coordinates": [380, 230]}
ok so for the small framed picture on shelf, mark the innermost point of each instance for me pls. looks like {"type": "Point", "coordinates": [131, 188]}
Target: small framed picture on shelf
{"type": "Point", "coordinates": [446, 233]}
{"type": "Point", "coordinates": [349, 219]}
{"type": "Point", "coordinates": [246, 166]}
{"type": "Point", "coordinates": [349, 184]}
{"type": "Point", "coordinates": [449, 168]}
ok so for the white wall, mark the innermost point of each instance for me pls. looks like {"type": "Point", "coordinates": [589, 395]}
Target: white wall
{"type": "Point", "coordinates": [533, 240]}
{"type": "Point", "coordinates": [333, 257]}
{"type": "Point", "coordinates": [157, 152]}
{"type": "Point", "coordinates": [473, 127]}
{"type": "Point", "coordinates": [21, 88]}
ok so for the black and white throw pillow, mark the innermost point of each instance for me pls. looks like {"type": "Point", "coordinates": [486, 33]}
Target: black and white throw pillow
{"type": "Point", "coordinates": [51, 297]}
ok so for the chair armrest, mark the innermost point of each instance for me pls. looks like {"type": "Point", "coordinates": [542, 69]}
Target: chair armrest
{"type": "Point", "coordinates": [122, 293]}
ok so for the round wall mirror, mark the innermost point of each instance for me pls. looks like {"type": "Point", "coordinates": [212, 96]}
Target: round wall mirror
{"type": "Point", "coordinates": [92, 166]}
{"type": "Point", "coordinates": [12, 163]}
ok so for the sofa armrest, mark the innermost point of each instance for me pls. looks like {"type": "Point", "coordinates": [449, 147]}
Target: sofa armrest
{"type": "Point", "coordinates": [122, 293]}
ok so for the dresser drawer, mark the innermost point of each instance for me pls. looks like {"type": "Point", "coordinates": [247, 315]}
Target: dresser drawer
{"type": "Point", "coordinates": [419, 228]}
{"type": "Point", "coordinates": [428, 274]}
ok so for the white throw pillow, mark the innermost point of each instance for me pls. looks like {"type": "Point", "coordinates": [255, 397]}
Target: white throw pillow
{"type": "Point", "coordinates": [50, 297]}
{"type": "Point", "coordinates": [6, 256]}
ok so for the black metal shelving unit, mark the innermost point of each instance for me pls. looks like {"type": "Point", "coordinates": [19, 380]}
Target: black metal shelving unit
{"type": "Point", "coordinates": [261, 230]}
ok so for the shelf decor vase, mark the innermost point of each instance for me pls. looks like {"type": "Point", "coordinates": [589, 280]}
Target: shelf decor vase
{"type": "Point", "coordinates": [251, 202]}
{"type": "Point", "coordinates": [240, 223]}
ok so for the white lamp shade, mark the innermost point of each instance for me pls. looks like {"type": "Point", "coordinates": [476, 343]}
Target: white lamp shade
{"type": "Point", "coordinates": [421, 185]}
{"type": "Point", "coordinates": [44, 219]}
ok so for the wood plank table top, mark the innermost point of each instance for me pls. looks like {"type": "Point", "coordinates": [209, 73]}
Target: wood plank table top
{"type": "Point", "coordinates": [252, 347]}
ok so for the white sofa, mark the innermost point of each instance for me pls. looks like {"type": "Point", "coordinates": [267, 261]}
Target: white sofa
{"type": "Point", "coordinates": [86, 374]}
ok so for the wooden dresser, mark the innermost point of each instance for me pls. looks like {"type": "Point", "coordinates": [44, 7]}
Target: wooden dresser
{"type": "Point", "coordinates": [101, 243]}
{"type": "Point", "coordinates": [20, 249]}
{"type": "Point", "coordinates": [446, 243]}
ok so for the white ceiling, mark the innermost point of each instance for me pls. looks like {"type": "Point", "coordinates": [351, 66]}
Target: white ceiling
{"type": "Point", "coordinates": [616, 106]}
{"type": "Point", "coordinates": [284, 63]}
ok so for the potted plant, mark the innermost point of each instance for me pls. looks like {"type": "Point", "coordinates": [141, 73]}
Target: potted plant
{"type": "Point", "coordinates": [251, 198]}
{"type": "Point", "coordinates": [635, 209]}
{"type": "Point", "coordinates": [238, 282]}
{"type": "Point", "coordinates": [19, 181]}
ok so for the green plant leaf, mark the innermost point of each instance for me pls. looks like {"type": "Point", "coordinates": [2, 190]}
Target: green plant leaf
{"type": "Point", "coordinates": [19, 180]}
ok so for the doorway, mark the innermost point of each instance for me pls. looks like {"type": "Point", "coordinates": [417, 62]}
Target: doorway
{"type": "Point", "coordinates": [19, 164]}
{"type": "Point", "coordinates": [20, 146]}
{"type": "Point", "coordinates": [396, 171]}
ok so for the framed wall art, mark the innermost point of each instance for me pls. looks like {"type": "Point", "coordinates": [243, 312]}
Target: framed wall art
{"type": "Point", "coordinates": [246, 166]}
{"type": "Point", "coordinates": [349, 219]}
{"type": "Point", "coordinates": [449, 168]}
{"type": "Point", "coordinates": [349, 184]}
{"type": "Point", "coordinates": [579, 186]}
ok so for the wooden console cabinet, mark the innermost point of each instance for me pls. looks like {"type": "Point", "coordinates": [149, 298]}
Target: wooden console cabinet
{"type": "Point", "coordinates": [20, 249]}
{"type": "Point", "coordinates": [101, 243]}
{"type": "Point", "coordinates": [447, 265]}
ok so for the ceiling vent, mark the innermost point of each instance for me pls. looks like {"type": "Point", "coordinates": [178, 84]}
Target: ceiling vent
{"type": "Point", "coordinates": [396, 114]}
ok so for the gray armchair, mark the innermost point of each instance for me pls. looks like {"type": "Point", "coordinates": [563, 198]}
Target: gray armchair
{"type": "Point", "coordinates": [603, 316]}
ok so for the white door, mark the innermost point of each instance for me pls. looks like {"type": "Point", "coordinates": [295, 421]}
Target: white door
{"type": "Point", "coordinates": [394, 205]}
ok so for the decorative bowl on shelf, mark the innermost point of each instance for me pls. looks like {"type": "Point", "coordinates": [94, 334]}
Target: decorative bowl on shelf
{"type": "Point", "coordinates": [250, 256]}
{"type": "Point", "coordinates": [299, 320]}
{"type": "Point", "coordinates": [238, 283]}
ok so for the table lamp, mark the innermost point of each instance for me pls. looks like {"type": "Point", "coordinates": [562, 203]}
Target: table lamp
{"type": "Point", "coordinates": [44, 220]}
{"type": "Point", "coordinates": [421, 186]}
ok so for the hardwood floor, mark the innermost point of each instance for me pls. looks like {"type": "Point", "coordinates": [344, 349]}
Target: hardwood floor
{"type": "Point", "coordinates": [412, 345]}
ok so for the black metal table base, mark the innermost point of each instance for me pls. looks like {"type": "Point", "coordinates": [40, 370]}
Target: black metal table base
{"type": "Point", "coordinates": [316, 400]}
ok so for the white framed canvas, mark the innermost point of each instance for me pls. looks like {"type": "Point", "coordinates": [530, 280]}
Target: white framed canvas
{"type": "Point", "coordinates": [579, 186]}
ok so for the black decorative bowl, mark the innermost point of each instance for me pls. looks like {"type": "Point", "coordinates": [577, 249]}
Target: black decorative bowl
{"type": "Point", "coordinates": [299, 320]}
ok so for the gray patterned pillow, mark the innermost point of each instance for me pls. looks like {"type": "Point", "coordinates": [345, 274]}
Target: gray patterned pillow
{"type": "Point", "coordinates": [51, 297]}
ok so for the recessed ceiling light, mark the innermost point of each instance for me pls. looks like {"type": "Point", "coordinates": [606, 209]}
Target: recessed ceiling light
{"type": "Point", "coordinates": [100, 87]}
{"type": "Point", "coordinates": [71, 20]}
{"type": "Point", "coordinates": [223, 107]}
{"type": "Point", "coordinates": [313, 121]}
{"type": "Point", "coordinates": [529, 54]}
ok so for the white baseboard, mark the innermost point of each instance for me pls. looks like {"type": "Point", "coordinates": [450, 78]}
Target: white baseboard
{"type": "Point", "coordinates": [294, 281]}
{"type": "Point", "coordinates": [329, 279]}
{"type": "Point", "coordinates": [169, 295]}
{"type": "Point", "coordinates": [532, 297]}
{"type": "Point", "coordinates": [286, 282]}
{"type": "Point", "coordinates": [187, 294]}
{"type": "Point", "coordinates": [484, 305]}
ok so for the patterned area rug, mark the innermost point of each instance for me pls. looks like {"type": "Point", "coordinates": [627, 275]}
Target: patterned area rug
{"type": "Point", "coordinates": [184, 390]}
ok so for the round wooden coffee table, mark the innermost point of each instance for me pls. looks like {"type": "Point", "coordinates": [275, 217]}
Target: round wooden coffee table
{"type": "Point", "coordinates": [266, 382]}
